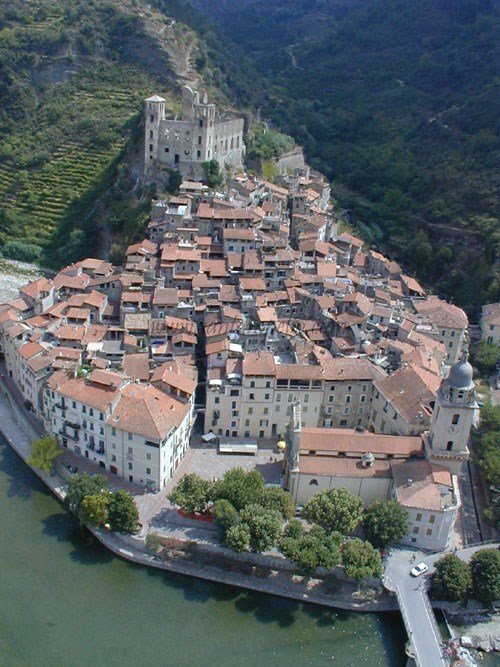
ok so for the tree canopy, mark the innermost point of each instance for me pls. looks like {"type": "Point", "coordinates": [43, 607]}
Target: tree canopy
{"type": "Point", "coordinates": [335, 510]}
{"type": "Point", "coordinates": [192, 493]}
{"type": "Point", "coordinates": [240, 488]}
{"type": "Point", "coordinates": [311, 549]}
{"type": "Point", "coordinates": [485, 569]}
{"type": "Point", "coordinates": [94, 509]}
{"type": "Point", "coordinates": [452, 580]}
{"type": "Point", "coordinates": [264, 526]}
{"type": "Point", "coordinates": [83, 485]}
{"type": "Point", "coordinates": [361, 560]}
{"type": "Point", "coordinates": [385, 521]}
{"type": "Point", "coordinates": [122, 512]}
{"type": "Point", "coordinates": [44, 454]}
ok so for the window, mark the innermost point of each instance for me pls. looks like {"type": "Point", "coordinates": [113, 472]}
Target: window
{"type": "Point", "coordinates": [148, 456]}
{"type": "Point", "coordinates": [113, 458]}
{"type": "Point", "coordinates": [234, 413]}
{"type": "Point", "coordinates": [199, 141]}
{"type": "Point", "coordinates": [73, 405]}
{"type": "Point", "coordinates": [449, 445]}
{"type": "Point", "coordinates": [278, 398]}
{"type": "Point", "coordinates": [151, 118]}
{"type": "Point", "coordinates": [343, 422]}
{"type": "Point", "coordinates": [151, 147]}
{"type": "Point", "coordinates": [313, 482]}
{"type": "Point", "coordinates": [362, 399]}
{"type": "Point", "coordinates": [150, 134]}
{"type": "Point", "coordinates": [84, 409]}
{"type": "Point", "coordinates": [217, 400]}
{"type": "Point", "coordinates": [130, 466]}
{"type": "Point", "coordinates": [455, 419]}
{"type": "Point", "coordinates": [416, 530]}
{"type": "Point", "coordinates": [235, 392]}
{"type": "Point", "coordinates": [252, 397]}
{"type": "Point", "coordinates": [250, 411]}
{"type": "Point", "coordinates": [252, 384]}
{"type": "Point", "coordinates": [306, 398]}
{"type": "Point", "coordinates": [266, 411]}
{"type": "Point", "coordinates": [130, 436]}
{"type": "Point", "coordinates": [167, 149]}
{"type": "Point", "coordinates": [200, 123]}
{"type": "Point", "coordinates": [348, 399]}
{"type": "Point", "coordinates": [419, 516]}
{"type": "Point", "coordinates": [428, 531]}
{"type": "Point", "coordinates": [290, 398]}
{"type": "Point", "coordinates": [247, 422]}
{"type": "Point", "coordinates": [233, 405]}
{"type": "Point", "coordinates": [148, 471]}
{"type": "Point", "coordinates": [268, 385]}
{"type": "Point", "coordinates": [130, 450]}
{"type": "Point", "coordinates": [432, 518]}
{"type": "Point", "coordinates": [266, 397]}
{"type": "Point", "coordinates": [346, 411]}
{"type": "Point", "coordinates": [101, 416]}
{"type": "Point", "coordinates": [331, 399]}
{"type": "Point", "coordinates": [198, 153]}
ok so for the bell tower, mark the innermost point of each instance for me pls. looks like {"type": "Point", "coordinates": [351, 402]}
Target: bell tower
{"type": "Point", "coordinates": [452, 418]}
{"type": "Point", "coordinates": [154, 113]}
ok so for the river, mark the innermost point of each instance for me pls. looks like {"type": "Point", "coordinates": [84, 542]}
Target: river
{"type": "Point", "coordinates": [65, 600]}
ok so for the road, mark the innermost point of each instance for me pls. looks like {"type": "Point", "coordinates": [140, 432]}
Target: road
{"type": "Point", "coordinates": [414, 602]}
{"type": "Point", "coordinates": [417, 613]}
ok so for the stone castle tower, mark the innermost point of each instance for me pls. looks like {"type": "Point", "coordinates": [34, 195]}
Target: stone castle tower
{"type": "Point", "coordinates": [452, 418]}
{"type": "Point", "coordinates": [200, 135]}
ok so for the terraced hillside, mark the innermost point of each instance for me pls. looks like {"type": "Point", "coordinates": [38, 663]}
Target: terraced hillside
{"type": "Point", "coordinates": [73, 75]}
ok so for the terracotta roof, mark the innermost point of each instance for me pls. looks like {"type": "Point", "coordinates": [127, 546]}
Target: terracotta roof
{"type": "Point", "coordinates": [342, 467]}
{"type": "Point", "coordinates": [420, 484]}
{"type": "Point", "coordinates": [348, 440]}
{"type": "Point", "coordinates": [259, 364]}
{"type": "Point", "coordinates": [147, 411]}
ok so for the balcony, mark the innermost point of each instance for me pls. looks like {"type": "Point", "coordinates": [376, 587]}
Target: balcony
{"type": "Point", "coordinates": [70, 436]}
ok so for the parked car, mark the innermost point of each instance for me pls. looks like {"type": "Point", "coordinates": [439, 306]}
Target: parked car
{"type": "Point", "coordinates": [419, 569]}
{"type": "Point", "coordinates": [298, 510]}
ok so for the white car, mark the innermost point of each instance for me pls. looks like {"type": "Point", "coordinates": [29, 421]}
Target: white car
{"type": "Point", "coordinates": [419, 569]}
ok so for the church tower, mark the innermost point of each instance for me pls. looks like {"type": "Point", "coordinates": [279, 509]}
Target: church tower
{"type": "Point", "coordinates": [452, 418]}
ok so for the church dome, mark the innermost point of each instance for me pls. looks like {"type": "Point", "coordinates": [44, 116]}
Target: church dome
{"type": "Point", "coordinates": [461, 375]}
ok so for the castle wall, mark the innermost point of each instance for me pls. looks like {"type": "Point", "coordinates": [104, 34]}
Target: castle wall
{"type": "Point", "coordinates": [199, 136]}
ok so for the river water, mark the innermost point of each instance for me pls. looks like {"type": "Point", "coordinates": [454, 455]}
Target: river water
{"type": "Point", "coordinates": [65, 600]}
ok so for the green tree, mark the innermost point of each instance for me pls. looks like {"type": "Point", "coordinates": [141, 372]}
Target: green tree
{"type": "Point", "coordinates": [335, 510]}
{"type": "Point", "coordinates": [238, 537]}
{"type": "Point", "coordinates": [452, 579]}
{"type": "Point", "coordinates": [264, 526]}
{"type": "Point", "coordinates": [174, 182]}
{"type": "Point", "coordinates": [225, 514]}
{"type": "Point", "coordinates": [116, 255]}
{"type": "Point", "coordinates": [191, 493]}
{"type": "Point", "coordinates": [486, 357]}
{"type": "Point", "coordinates": [490, 417]}
{"type": "Point", "coordinates": [122, 512]}
{"type": "Point", "coordinates": [240, 487]}
{"type": "Point", "coordinates": [213, 174]}
{"type": "Point", "coordinates": [361, 560]}
{"type": "Point", "coordinates": [279, 500]}
{"type": "Point", "coordinates": [312, 549]}
{"type": "Point", "coordinates": [385, 521]}
{"type": "Point", "coordinates": [80, 486]}
{"type": "Point", "coordinates": [44, 453]}
{"type": "Point", "coordinates": [94, 509]}
{"type": "Point", "coordinates": [485, 569]}
{"type": "Point", "coordinates": [491, 462]}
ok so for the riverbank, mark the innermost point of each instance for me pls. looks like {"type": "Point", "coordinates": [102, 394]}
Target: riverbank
{"type": "Point", "coordinates": [19, 433]}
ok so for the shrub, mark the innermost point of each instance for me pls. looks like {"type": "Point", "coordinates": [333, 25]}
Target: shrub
{"type": "Point", "coordinates": [238, 537]}
{"type": "Point", "coordinates": [23, 252]}
{"type": "Point", "coordinates": [191, 493]}
{"type": "Point", "coordinates": [361, 560]}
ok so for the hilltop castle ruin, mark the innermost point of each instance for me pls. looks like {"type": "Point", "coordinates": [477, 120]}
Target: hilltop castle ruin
{"type": "Point", "coordinates": [201, 134]}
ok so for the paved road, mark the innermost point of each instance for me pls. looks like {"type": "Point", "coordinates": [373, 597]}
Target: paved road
{"type": "Point", "coordinates": [414, 602]}
{"type": "Point", "coordinates": [415, 608]}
